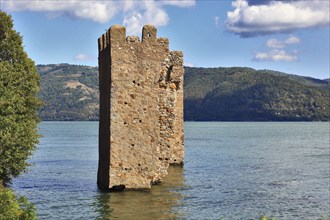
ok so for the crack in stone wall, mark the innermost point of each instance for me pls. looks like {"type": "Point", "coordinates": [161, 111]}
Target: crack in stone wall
{"type": "Point", "coordinates": [141, 109]}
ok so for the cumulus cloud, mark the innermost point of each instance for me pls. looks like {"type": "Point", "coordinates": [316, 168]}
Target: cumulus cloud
{"type": "Point", "coordinates": [275, 43]}
{"type": "Point", "coordinates": [179, 3]}
{"type": "Point", "coordinates": [83, 57]}
{"type": "Point", "coordinates": [276, 55]}
{"type": "Point", "coordinates": [135, 13]}
{"type": "Point", "coordinates": [268, 17]}
{"type": "Point", "coordinates": [98, 11]}
{"type": "Point", "coordinates": [144, 12]}
{"type": "Point", "coordinates": [277, 50]}
{"type": "Point", "coordinates": [292, 40]}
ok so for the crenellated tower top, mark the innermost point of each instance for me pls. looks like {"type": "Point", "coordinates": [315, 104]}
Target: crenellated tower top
{"type": "Point", "coordinates": [116, 34]}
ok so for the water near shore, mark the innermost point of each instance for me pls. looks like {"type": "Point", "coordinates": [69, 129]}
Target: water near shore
{"type": "Point", "coordinates": [232, 170]}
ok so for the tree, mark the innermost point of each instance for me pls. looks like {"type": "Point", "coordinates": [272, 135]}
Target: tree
{"type": "Point", "coordinates": [13, 207]}
{"type": "Point", "coordinates": [19, 104]}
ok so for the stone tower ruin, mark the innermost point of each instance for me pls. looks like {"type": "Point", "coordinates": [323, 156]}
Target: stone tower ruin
{"type": "Point", "coordinates": [141, 109]}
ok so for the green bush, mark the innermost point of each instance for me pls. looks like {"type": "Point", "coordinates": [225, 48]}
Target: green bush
{"type": "Point", "coordinates": [14, 208]}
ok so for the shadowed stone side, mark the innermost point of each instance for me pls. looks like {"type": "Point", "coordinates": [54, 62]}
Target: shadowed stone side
{"type": "Point", "coordinates": [141, 109]}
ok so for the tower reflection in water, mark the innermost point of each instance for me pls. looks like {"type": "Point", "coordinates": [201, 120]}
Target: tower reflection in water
{"type": "Point", "coordinates": [163, 201]}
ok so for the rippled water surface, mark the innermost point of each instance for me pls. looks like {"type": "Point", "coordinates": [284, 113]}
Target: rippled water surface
{"type": "Point", "coordinates": [232, 171]}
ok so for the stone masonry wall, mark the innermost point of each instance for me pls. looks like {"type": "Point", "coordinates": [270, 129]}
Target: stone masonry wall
{"type": "Point", "coordinates": [141, 109]}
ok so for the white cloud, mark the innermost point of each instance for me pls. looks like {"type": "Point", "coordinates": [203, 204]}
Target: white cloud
{"type": "Point", "coordinates": [292, 40]}
{"type": "Point", "coordinates": [189, 64]}
{"type": "Point", "coordinates": [276, 55]}
{"type": "Point", "coordinates": [98, 11]}
{"type": "Point", "coordinates": [145, 12]}
{"type": "Point", "coordinates": [83, 57]}
{"type": "Point", "coordinates": [274, 43]}
{"type": "Point", "coordinates": [217, 21]}
{"type": "Point", "coordinates": [278, 44]}
{"type": "Point", "coordinates": [136, 13]}
{"type": "Point", "coordinates": [179, 3]}
{"type": "Point", "coordinates": [276, 16]}
{"type": "Point", "coordinates": [277, 50]}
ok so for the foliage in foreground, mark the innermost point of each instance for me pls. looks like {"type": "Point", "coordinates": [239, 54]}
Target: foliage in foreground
{"type": "Point", "coordinates": [12, 207]}
{"type": "Point", "coordinates": [19, 104]}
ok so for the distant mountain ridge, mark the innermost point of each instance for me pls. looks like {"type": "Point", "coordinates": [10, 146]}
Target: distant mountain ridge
{"type": "Point", "coordinates": [70, 92]}
{"type": "Point", "coordinates": [245, 94]}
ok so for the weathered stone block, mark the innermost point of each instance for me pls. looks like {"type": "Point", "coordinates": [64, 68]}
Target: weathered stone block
{"type": "Point", "coordinates": [141, 109]}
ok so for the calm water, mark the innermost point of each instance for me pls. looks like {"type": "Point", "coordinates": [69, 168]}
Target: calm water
{"type": "Point", "coordinates": [231, 171]}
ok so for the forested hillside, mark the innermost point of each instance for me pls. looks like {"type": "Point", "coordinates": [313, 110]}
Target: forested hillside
{"type": "Point", "coordinates": [70, 92]}
{"type": "Point", "coordinates": [244, 94]}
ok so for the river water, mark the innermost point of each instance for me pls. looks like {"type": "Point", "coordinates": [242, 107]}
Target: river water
{"type": "Point", "coordinates": [232, 170]}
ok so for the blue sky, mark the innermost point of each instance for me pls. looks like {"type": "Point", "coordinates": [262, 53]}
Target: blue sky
{"type": "Point", "coordinates": [290, 36]}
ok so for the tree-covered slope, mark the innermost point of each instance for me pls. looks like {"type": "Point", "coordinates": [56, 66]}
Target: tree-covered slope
{"type": "Point", "coordinates": [244, 94]}
{"type": "Point", "coordinates": [218, 94]}
{"type": "Point", "coordinates": [69, 92]}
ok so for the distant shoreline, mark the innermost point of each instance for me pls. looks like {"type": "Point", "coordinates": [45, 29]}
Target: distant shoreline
{"type": "Point", "coordinates": [71, 93]}
{"type": "Point", "coordinates": [184, 121]}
